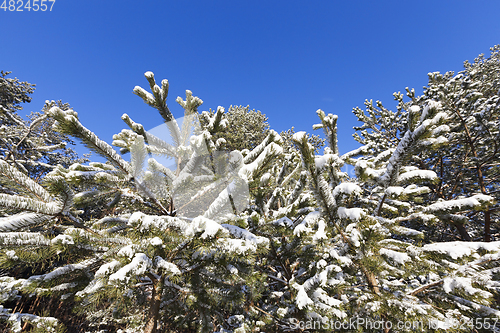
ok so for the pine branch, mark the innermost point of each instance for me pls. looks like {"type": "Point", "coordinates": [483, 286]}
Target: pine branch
{"type": "Point", "coordinates": [272, 137]}
{"type": "Point", "coordinates": [329, 125]}
{"type": "Point", "coordinates": [22, 220]}
{"type": "Point", "coordinates": [316, 180]}
{"type": "Point", "coordinates": [28, 204]}
{"type": "Point", "coordinates": [27, 184]}
{"type": "Point", "coordinates": [67, 122]}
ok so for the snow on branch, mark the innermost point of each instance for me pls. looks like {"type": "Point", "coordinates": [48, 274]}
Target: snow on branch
{"type": "Point", "coordinates": [417, 176]}
{"type": "Point", "coordinates": [19, 320]}
{"type": "Point", "coordinates": [31, 205]}
{"type": "Point", "coordinates": [267, 153]}
{"type": "Point", "coordinates": [22, 220]}
{"type": "Point", "coordinates": [428, 120]}
{"type": "Point", "coordinates": [318, 184]}
{"type": "Point", "coordinates": [476, 202]}
{"type": "Point", "coordinates": [67, 122]}
{"type": "Point", "coordinates": [12, 175]}
{"type": "Point", "coordinates": [272, 137]}
{"type": "Point", "coordinates": [22, 238]}
{"type": "Point", "coordinates": [329, 125]}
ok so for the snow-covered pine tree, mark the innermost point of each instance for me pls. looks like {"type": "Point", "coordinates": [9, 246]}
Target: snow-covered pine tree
{"type": "Point", "coordinates": [135, 257]}
{"type": "Point", "coordinates": [470, 161]}
{"type": "Point", "coordinates": [356, 260]}
{"type": "Point", "coordinates": [29, 149]}
{"type": "Point", "coordinates": [30, 145]}
{"type": "Point", "coordinates": [245, 128]}
{"type": "Point", "coordinates": [289, 145]}
{"type": "Point", "coordinates": [465, 155]}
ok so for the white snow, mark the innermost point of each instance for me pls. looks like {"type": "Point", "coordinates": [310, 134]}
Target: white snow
{"type": "Point", "coordinates": [383, 156]}
{"type": "Point", "coordinates": [362, 167]}
{"type": "Point", "coordinates": [310, 220]}
{"type": "Point", "coordinates": [23, 238]}
{"type": "Point", "coordinates": [11, 255]}
{"type": "Point", "coordinates": [16, 320]}
{"type": "Point", "coordinates": [394, 191]}
{"type": "Point", "coordinates": [248, 170]}
{"type": "Point", "coordinates": [145, 222]}
{"type": "Point", "coordinates": [460, 249]}
{"type": "Point", "coordinates": [353, 234]}
{"type": "Point", "coordinates": [91, 288]}
{"type": "Point", "coordinates": [440, 140]}
{"type": "Point", "coordinates": [138, 266]}
{"type": "Point", "coordinates": [347, 189]}
{"type": "Point", "coordinates": [63, 239]}
{"type": "Point", "coordinates": [107, 268]}
{"type": "Point", "coordinates": [61, 271]}
{"type": "Point", "coordinates": [321, 232]}
{"type": "Point", "coordinates": [209, 227]}
{"type": "Point", "coordinates": [284, 222]}
{"type": "Point", "coordinates": [64, 286]}
{"type": "Point", "coordinates": [232, 269]}
{"type": "Point", "coordinates": [441, 129]}
{"type": "Point", "coordinates": [301, 299]}
{"type": "Point", "coordinates": [168, 266]}
{"type": "Point", "coordinates": [299, 136]}
{"type": "Point", "coordinates": [465, 284]}
{"type": "Point", "coordinates": [281, 312]}
{"type": "Point", "coordinates": [408, 231]}
{"type": "Point", "coordinates": [156, 241]}
{"type": "Point", "coordinates": [430, 105]}
{"type": "Point", "coordinates": [397, 257]}
{"type": "Point", "coordinates": [417, 175]}
{"type": "Point", "coordinates": [238, 246]}
{"type": "Point", "coordinates": [127, 251]}
{"type": "Point", "coordinates": [325, 302]}
{"type": "Point", "coordinates": [458, 204]}
{"type": "Point", "coordinates": [353, 214]}
{"type": "Point", "coordinates": [327, 159]}
{"type": "Point", "coordinates": [21, 220]}
{"type": "Point", "coordinates": [245, 234]}
{"type": "Point", "coordinates": [264, 180]}
{"type": "Point", "coordinates": [235, 157]}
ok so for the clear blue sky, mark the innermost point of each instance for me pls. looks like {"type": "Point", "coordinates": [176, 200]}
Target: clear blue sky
{"type": "Point", "coordinates": [285, 58]}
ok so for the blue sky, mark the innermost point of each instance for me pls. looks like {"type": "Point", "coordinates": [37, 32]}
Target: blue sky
{"type": "Point", "coordinates": [284, 58]}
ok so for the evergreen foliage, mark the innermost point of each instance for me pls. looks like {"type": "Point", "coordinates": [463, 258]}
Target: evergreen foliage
{"type": "Point", "coordinates": [268, 239]}
{"type": "Point", "coordinates": [245, 128]}
{"type": "Point", "coordinates": [30, 145]}
{"type": "Point", "coordinates": [465, 151]}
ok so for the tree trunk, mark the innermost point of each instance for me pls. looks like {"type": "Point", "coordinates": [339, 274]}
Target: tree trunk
{"type": "Point", "coordinates": [487, 226]}
{"type": "Point", "coordinates": [154, 307]}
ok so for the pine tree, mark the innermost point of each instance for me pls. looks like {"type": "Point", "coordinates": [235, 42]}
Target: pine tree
{"type": "Point", "coordinates": [472, 100]}
{"type": "Point", "coordinates": [316, 141]}
{"type": "Point", "coordinates": [138, 257]}
{"type": "Point", "coordinates": [356, 260]}
{"type": "Point", "coordinates": [30, 145]}
{"type": "Point", "coordinates": [245, 128]}
{"type": "Point", "coordinates": [465, 154]}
